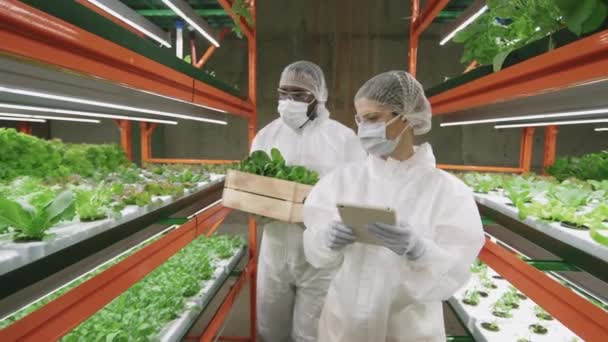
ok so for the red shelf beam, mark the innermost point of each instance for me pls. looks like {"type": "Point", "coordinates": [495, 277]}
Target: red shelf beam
{"type": "Point", "coordinates": [580, 62]}
{"type": "Point", "coordinates": [429, 13]}
{"type": "Point", "coordinates": [575, 312]}
{"type": "Point", "coordinates": [28, 32]}
{"type": "Point", "coordinates": [60, 316]}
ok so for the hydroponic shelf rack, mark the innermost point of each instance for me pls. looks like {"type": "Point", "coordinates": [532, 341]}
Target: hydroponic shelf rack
{"type": "Point", "coordinates": [574, 246]}
{"type": "Point", "coordinates": [14, 255]}
{"type": "Point", "coordinates": [511, 329]}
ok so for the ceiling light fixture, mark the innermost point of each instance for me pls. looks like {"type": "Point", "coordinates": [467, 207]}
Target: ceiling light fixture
{"type": "Point", "coordinates": [186, 12]}
{"type": "Point", "coordinates": [528, 117]}
{"type": "Point", "coordinates": [45, 117]}
{"type": "Point", "coordinates": [6, 118]}
{"type": "Point", "coordinates": [104, 104]}
{"type": "Point", "coordinates": [601, 129]}
{"type": "Point", "coordinates": [133, 19]}
{"type": "Point", "coordinates": [551, 123]}
{"type": "Point", "coordinates": [82, 113]}
{"type": "Point", "coordinates": [462, 26]}
{"type": "Point", "coordinates": [180, 100]}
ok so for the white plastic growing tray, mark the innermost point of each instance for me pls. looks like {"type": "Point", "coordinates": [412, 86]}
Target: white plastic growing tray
{"type": "Point", "coordinates": [15, 255]}
{"type": "Point", "coordinates": [178, 328]}
{"type": "Point", "coordinates": [511, 329]}
{"type": "Point", "coordinates": [577, 238]}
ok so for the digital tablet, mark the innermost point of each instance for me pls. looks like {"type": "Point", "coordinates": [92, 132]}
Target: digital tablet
{"type": "Point", "coordinates": [358, 217]}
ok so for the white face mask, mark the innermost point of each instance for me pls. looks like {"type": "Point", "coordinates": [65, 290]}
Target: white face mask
{"type": "Point", "coordinates": [374, 140]}
{"type": "Point", "coordinates": [294, 113]}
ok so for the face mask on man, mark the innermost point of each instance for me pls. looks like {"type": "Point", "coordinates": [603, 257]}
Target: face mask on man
{"type": "Point", "coordinates": [374, 140]}
{"type": "Point", "coordinates": [294, 113]}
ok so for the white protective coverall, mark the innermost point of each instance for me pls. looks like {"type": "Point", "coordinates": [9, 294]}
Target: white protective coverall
{"type": "Point", "coordinates": [291, 292]}
{"type": "Point", "coordinates": [376, 294]}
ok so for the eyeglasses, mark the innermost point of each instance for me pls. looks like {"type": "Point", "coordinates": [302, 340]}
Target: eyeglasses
{"type": "Point", "coordinates": [374, 117]}
{"type": "Point", "coordinates": [300, 96]}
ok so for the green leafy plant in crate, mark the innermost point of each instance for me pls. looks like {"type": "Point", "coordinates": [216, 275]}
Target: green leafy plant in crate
{"type": "Point", "coordinates": [260, 163]}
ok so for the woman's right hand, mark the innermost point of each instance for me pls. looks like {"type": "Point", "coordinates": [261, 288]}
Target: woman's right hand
{"type": "Point", "coordinates": [338, 236]}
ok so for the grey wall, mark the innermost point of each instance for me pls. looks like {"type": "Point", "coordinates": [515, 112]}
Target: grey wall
{"type": "Point", "coordinates": [351, 41]}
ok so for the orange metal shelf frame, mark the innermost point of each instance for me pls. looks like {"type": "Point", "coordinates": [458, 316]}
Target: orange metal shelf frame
{"type": "Point", "coordinates": [31, 33]}
{"type": "Point", "coordinates": [200, 90]}
{"type": "Point", "coordinates": [57, 318]}
{"type": "Point", "coordinates": [578, 314]}
{"type": "Point", "coordinates": [580, 62]}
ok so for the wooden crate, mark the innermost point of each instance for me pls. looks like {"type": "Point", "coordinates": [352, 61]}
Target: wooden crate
{"type": "Point", "coordinates": [275, 198]}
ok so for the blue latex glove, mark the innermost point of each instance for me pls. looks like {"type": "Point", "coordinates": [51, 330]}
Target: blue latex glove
{"type": "Point", "coordinates": [338, 236]}
{"type": "Point", "coordinates": [399, 239]}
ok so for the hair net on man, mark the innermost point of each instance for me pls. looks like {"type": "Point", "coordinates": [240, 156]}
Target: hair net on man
{"type": "Point", "coordinates": [309, 76]}
{"type": "Point", "coordinates": [399, 92]}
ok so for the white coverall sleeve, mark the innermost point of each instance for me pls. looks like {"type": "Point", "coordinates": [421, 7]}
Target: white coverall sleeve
{"type": "Point", "coordinates": [319, 212]}
{"type": "Point", "coordinates": [445, 265]}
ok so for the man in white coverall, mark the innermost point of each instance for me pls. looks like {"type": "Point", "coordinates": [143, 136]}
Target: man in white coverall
{"type": "Point", "coordinates": [291, 292]}
{"type": "Point", "coordinates": [392, 291]}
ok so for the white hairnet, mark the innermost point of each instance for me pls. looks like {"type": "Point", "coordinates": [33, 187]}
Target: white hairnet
{"type": "Point", "coordinates": [305, 75]}
{"type": "Point", "coordinates": [399, 92]}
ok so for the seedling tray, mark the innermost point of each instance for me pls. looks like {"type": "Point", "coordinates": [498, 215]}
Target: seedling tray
{"type": "Point", "coordinates": [511, 329]}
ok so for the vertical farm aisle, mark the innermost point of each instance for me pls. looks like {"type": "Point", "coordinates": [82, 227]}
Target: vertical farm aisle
{"type": "Point", "coordinates": [238, 321]}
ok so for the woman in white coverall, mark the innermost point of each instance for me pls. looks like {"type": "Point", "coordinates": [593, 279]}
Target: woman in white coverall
{"type": "Point", "coordinates": [290, 291]}
{"type": "Point", "coordinates": [392, 292]}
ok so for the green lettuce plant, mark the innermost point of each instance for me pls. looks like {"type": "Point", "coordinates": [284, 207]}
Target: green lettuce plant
{"type": "Point", "coordinates": [32, 222]}
{"type": "Point", "coordinates": [260, 163]}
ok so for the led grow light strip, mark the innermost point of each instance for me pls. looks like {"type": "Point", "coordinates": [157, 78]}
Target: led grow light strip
{"type": "Point", "coordinates": [191, 20]}
{"type": "Point", "coordinates": [116, 7]}
{"type": "Point", "coordinates": [601, 129]}
{"type": "Point", "coordinates": [528, 117]}
{"type": "Point", "coordinates": [466, 23]}
{"type": "Point", "coordinates": [549, 123]}
{"type": "Point", "coordinates": [90, 271]}
{"type": "Point", "coordinates": [6, 118]}
{"type": "Point", "coordinates": [58, 118]}
{"type": "Point", "coordinates": [180, 100]}
{"type": "Point", "coordinates": [104, 104]}
{"type": "Point", "coordinates": [81, 113]}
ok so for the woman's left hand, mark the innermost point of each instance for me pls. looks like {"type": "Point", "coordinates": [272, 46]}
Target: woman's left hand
{"type": "Point", "coordinates": [399, 239]}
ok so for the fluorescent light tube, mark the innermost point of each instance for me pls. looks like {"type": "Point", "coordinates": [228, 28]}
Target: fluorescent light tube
{"type": "Point", "coordinates": [528, 117]}
{"type": "Point", "coordinates": [104, 104]}
{"type": "Point", "coordinates": [557, 123]}
{"type": "Point", "coordinates": [601, 129]}
{"type": "Point", "coordinates": [5, 118]}
{"type": "Point", "coordinates": [180, 8]}
{"type": "Point", "coordinates": [464, 24]}
{"type": "Point", "coordinates": [58, 118]}
{"type": "Point", "coordinates": [133, 19]}
{"type": "Point", "coordinates": [81, 113]}
{"type": "Point", "coordinates": [180, 100]}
